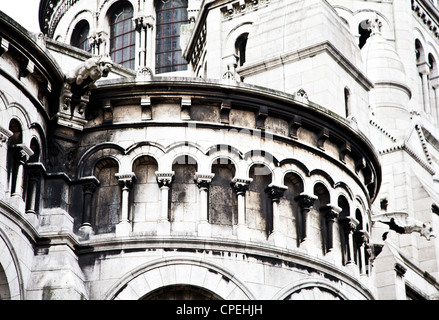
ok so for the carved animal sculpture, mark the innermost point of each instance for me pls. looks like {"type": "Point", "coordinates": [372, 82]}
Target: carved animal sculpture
{"type": "Point", "coordinates": [93, 68]}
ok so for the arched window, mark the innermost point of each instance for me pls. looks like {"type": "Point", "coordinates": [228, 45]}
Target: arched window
{"type": "Point", "coordinates": [122, 35]}
{"type": "Point", "coordinates": [183, 193]}
{"type": "Point", "coordinates": [291, 217]}
{"type": "Point", "coordinates": [107, 201]}
{"type": "Point", "coordinates": [146, 192]}
{"type": "Point", "coordinates": [259, 210]}
{"type": "Point", "coordinates": [240, 48]}
{"type": "Point", "coordinates": [171, 14]}
{"type": "Point", "coordinates": [222, 202]}
{"type": "Point", "coordinates": [80, 36]}
{"type": "Point", "coordinates": [365, 32]}
{"type": "Point", "coordinates": [344, 229]}
{"type": "Point", "coordinates": [321, 206]}
{"type": "Point", "coordinates": [13, 156]}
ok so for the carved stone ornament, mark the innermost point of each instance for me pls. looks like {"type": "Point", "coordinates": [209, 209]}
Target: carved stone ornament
{"type": "Point", "coordinates": [403, 224]}
{"type": "Point", "coordinates": [305, 201]}
{"type": "Point", "coordinates": [144, 72]}
{"type": "Point", "coordinates": [75, 93]}
{"type": "Point", "coordinates": [92, 70]}
{"type": "Point", "coordinates": [164, 179]}
{"type": "Point", "coordinates": [203, 181]}
{"type": "Point", "coordinates": [275, 192]}
{"type": "Point", "coordinates": [240, 186]}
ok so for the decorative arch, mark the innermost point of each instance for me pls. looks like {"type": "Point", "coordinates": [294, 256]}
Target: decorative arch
{"type": "Point", "coordinates": [184, 149]}
{"type": "Point", "coordinates": [9, 262]}
{"type": "Point", "coordinates": [311, 289]}
{"type": "Point", "coordinates": [138, 150]}
{"type": "Point", "coordinates": [80, 17]}
{"type": "Point", "coordinates": [91, 157]}
{"type": "Point", "coordinates": [178, 271]}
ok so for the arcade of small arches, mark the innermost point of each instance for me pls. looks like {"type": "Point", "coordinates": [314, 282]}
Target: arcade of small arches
{"type": "Point", "coordinates": [183, 190]}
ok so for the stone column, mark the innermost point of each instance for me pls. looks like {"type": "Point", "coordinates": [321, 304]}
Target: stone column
{"type": "Point", "coordinates": [88, 188]}
{"type": "Point", "coordinates": [275, 193]}
{"type": "Point", "coordinates": [240, 186]}
{"type": "Point", "coordinates": [33, 182]}
{"type": "Point", "coordinates": [21, 154]}
{"type": "Point", "coordinates": [350, 224]}
{"type": "Point", "coordinates": [331, 214]}
{"type": "Point", "coordinates": [126, 181]}
{"type": "Point", "coordinates": [362, 238]}
{"type": "Point", "coordinates": [203, 182]}
{"type": "Point", "coordinates": [164, 180]}
{"type": "Point", "coordinates": [305, 203]}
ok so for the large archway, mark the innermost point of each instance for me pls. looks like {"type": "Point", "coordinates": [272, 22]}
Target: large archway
{"type": "Point", "coordinates": [11, 287]}
{"type": "Point", "coordinates": [168, 277]}
{"type": "Point", "coordinates": [181, 292]}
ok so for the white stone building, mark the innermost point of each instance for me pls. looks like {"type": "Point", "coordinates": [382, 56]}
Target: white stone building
{"type": "Point", "coordinates": [220, 149]}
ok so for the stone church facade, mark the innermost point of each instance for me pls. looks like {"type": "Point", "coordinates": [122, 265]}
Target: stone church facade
{"type": "Point", "coordinates": [220, 149]}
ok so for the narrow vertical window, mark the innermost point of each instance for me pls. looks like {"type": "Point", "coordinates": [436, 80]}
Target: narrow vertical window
{"type": "Point", "coordinates": [171, 14]}
{"type": "Point", "coordinates": [240, 48]}
{"type": "Point", "coordinates": [365, 32]}
{"type": "Point", "coordinates": [122, 36]}
{"type": "Point", "coordinates": [80, 36]}
{"type": "Point", "coordinates": [347, 97]}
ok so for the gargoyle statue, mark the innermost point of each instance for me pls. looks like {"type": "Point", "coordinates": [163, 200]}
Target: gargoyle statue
{"type": "Point", "coordinates": [403, 224]}
{"type": "Point", "coordinates": [90, 71]}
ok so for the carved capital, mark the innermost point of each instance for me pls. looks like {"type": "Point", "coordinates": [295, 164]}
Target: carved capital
{"type": "Point", "coordinates": [89, 187]}
{"type": "Point", "coordinates": [331, 212]}
{"type": "Point", "coordinates": [126, 180]}
{"type": "Point", "coordinates": [89, 184]}
{"type": "Point", "coordinates": [275, 192]}
{"type": "Point", "coordinates": [164, 179]}
{"type": "Point", "coordinates": [203, 181]}
{"type": "Point", "coordinates": [350, 223]}
{"type": "Point", "coordinates": [240, 186]}
{"type": "Point", "coordinates": [5, 134]}
{"type": "Point", "coordinates": [305, 201]}
{"type": "Point", "coordinates": [21, 152]}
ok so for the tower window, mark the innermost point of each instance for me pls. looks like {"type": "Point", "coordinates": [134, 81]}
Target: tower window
{"type": "Point", "coordinates": [80, 36]}
{"type": "Point", "coordinates": [122, 42]}
{"type": "Point", "coordinates": [240, 47]}
{"type": "Point", "coordinates": [365, 31]}
{"type": "Point", "coordinates": [171, 14]}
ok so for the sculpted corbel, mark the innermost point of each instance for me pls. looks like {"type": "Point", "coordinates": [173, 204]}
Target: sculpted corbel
{"type": "Point", "coordinates": [76, 92]}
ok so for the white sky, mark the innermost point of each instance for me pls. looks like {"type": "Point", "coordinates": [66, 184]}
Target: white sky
{"type": "Point", "coordinates": [25, 12]}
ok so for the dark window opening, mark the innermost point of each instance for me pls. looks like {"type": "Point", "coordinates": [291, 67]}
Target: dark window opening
{"type": "Point", "coordinates": [171, 15]}
{"type": "Point", "coordinates": [80, 36]}
{"type": "Point", "coordinates": [365, 32]}
{"type": "Point", "coordinates": [122, 36]}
